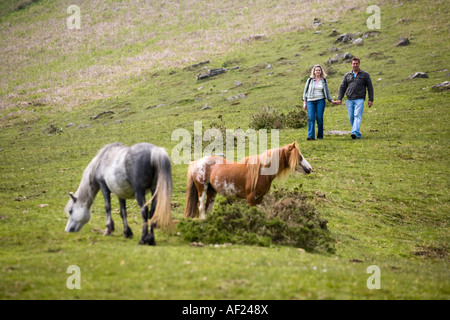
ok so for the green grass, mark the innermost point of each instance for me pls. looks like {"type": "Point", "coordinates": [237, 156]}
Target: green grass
{"type": "Point", "coordinates": [385, 197]}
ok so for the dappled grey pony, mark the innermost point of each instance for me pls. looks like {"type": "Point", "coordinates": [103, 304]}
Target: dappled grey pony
{"type": "Point", "coordinates": [128, 172]}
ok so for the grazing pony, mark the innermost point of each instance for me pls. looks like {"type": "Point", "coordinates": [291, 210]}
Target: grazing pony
{"type": "Point", "coordinates": [248, 179]}
{"type": "Point", "coordinates": [128, 172]}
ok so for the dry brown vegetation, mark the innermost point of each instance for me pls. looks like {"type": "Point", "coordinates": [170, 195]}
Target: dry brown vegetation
{"type": "Point", "coordinates": [118, 41]}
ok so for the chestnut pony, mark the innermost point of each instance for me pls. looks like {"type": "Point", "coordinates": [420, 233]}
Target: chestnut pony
{"type": "Point", "coordinates": [248, 179]}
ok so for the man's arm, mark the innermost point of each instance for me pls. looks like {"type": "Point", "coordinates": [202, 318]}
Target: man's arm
{"type": "Point", "coordinates": [342, 88]}
{"type": "Point", "coordinates": [369, 88]}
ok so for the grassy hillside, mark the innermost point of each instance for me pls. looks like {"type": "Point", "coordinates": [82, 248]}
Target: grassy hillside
{"type": "Point", "coordinates": [385, 197]}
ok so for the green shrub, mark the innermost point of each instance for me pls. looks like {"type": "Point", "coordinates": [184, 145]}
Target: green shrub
{"type": "Point", "coordinates": [24, 3]}
{"type": "Point", "coordinates": [270, 118]}
{"type": "Point", "coordinates": [284, 218]}
{"type": "Point", "coordinates": [266, 118]}
{"type": "Point", "coordinates": [296, 119]}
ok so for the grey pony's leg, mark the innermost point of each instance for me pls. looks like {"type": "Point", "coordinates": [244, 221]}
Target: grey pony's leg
{"type": "Point", "coordinates": [147, 238]}
{"type": "Point", "coordinates": [109, 221]}
{"type": "Point", "coordinates": [127, 233]}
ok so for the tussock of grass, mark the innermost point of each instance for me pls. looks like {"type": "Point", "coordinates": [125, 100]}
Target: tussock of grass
{"type": "Point", "coordinates": [284, 218]}
{"type": "Point", "coordinates": [24, 3]}
{"type": "Point", "coordinates": [270, 118]}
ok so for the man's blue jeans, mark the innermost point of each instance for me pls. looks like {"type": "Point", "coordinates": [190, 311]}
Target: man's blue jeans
{"type": "Point", "coordinates": [315, 112]}
{"type": "Point", "coordinates": [355, 111]}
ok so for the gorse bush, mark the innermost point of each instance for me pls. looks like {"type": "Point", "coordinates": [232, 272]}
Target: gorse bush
{"type": "Point", "coordinates": [266, 118]}
{"type": "Point", "coordinates": [24, 3]}
{"type": "Point", "coordinates": [295, 119]}
{"type": "Point", "coordinates": [270, 118]}
{"type": "Point", "coordinates": [284, 218]}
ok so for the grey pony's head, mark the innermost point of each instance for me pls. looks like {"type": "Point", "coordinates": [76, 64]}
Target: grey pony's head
{"type": "Point", "coordinates": [78, 213]}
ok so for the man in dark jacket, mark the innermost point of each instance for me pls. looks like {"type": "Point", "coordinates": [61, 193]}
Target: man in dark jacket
{"type": "Point", "coordinates": [354, 85]}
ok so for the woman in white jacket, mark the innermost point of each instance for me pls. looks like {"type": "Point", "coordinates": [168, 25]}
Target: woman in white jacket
{"type": "Point", "coordinates": [314, 95]}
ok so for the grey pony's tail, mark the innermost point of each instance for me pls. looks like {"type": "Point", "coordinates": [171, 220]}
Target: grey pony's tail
{"type": "Point", "coordinates": [164, 188]}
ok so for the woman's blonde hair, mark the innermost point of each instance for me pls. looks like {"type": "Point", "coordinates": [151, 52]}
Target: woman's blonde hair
{"type": "Point", "coordinates": [324, 75]}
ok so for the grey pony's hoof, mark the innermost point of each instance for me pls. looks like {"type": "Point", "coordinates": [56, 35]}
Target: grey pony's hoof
{"type": "Point", "coordinates": [148, 239]}
{"type": "Point", "coordinates": [128, 234]}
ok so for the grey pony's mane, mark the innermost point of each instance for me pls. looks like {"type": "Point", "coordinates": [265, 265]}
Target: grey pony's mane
{"type": "Point", "coordinates": [88, 188]}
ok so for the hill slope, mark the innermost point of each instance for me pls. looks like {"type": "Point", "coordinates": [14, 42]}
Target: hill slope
{"type": "Point", "coordinates": [385, 197]}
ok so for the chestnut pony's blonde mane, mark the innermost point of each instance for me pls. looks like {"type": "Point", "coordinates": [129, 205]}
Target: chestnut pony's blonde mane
{"type": "Point", "coordinates": [288, 157]}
